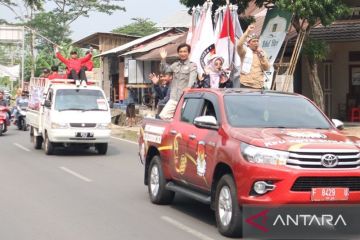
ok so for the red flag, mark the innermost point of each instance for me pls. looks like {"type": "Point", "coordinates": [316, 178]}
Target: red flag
{"type": "Point", "coordinates": [225, 45]}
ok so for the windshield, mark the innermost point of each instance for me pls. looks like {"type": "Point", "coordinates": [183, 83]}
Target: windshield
{"type": "Point", "coordinates": [80, 99]}
{"type": "Point", "coordinates": [264, 111]}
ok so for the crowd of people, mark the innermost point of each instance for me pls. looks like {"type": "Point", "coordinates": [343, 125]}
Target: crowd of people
{"type": "Point", "coordinates": [182, 75]}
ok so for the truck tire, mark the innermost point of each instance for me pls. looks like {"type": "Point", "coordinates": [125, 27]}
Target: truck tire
{"type": "Point", "coordinates": [101, 148]}
{"type": "Point", "coordinates": [1, 129]}
{"type": "Point", "coordinates": [156, 184]}
{"type": "Point", "coordinates": [49, 146]}
{"type": "Point", "coordinates": [38, 141]}
{"type": "Point", "coordinates": [227, 210]}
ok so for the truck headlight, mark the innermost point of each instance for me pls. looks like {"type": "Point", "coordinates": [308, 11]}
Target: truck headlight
{"type": "Point", "coordinates": [104, 125]}
{"type": "Point", "coordinates": [263, 155]}
{"type": "Point", "coordinates": [59, 125]}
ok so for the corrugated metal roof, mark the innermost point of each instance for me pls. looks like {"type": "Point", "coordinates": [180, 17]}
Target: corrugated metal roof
{"type": "Point", "coordinates": [156, 44]}
{"type": "Point", "coordinates": [180, 19]}
{"type": "Point", "coordinates": [128, 45]}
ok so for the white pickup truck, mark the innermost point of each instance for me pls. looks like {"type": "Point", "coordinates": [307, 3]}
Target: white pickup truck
{"type": "Point", "coordinates": [61, 114]}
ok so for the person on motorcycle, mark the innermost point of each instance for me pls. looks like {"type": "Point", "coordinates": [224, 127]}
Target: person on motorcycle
{"type": "Point", "coordinates": [4, 103]}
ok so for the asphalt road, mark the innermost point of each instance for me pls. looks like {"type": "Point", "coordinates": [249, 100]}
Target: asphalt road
{"type": "Point", "coordinates": [78, 195]}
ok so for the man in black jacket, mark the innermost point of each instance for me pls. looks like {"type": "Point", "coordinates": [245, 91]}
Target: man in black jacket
{"type": "Point", "coordinates": [161, 88]}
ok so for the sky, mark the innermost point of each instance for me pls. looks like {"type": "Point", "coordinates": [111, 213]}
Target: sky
{"type": "Point", "coordinates": [155, 10]}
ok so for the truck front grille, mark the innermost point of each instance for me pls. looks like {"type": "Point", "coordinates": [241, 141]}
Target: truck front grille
{"type": "Point", "coordinates": [83, 125]}
{"type": "Point", "coordinates": [305, 184]}
{"type": "Point", "coordinates": [312, 159]}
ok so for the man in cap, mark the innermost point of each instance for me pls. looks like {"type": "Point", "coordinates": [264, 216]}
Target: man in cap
{"type": "Point", "coordinates": [161, 87]}
{"type": "Point", "coordinates": [254, 62]}
{"type": "Point", "coordinates": [74, 65]}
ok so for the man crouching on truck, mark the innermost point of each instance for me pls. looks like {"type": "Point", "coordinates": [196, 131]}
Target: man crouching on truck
{"type": "Point", "coordinates": [184, 76]}
{"type": "Point", "coordinates": [74, 65]}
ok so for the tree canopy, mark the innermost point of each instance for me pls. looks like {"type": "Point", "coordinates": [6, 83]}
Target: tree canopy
{"type": "Point", "coordinates": [140, 27]}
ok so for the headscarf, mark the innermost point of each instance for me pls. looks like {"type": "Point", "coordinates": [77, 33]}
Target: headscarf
{"type": "Point", "coordinates": [213, 72]}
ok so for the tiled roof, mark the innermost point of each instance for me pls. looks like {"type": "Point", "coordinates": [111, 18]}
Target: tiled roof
{"type": "Point", "coordinates": [341, 30]}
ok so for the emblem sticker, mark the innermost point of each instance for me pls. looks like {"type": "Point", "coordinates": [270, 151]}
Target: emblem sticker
{"type": "Point", "coordinates": [201, 161]}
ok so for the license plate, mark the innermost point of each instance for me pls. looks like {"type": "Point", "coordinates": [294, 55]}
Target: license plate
{"type": "Point", "coordinates": [84, 134]}
{"type": "Point", "coordinates": [329, 194]}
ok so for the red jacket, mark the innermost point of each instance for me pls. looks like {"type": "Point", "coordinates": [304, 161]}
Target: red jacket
{"type": "Point", "coordinates": [89, 65]}
{"type": "Point", "coordinates": [56, 75]}
{"type": "Point", "coordinates": [73, 63]}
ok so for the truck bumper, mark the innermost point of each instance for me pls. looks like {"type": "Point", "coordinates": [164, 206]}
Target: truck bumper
{"type": "Point", "coordinates": [74, 135]}
{"type": "Point", "coordinates": [293, 186]}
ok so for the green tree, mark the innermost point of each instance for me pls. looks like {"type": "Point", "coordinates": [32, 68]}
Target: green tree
{"type": "Point", "coordinates": [140, 27]}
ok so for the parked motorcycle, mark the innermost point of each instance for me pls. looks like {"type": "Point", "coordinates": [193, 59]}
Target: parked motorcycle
{"type": "Point", "coordinates": [4, 120]}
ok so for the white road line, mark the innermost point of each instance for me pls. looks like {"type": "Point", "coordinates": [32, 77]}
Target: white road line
{"type": "Point", "coordinates": [185, 228]}
{"type": "Point", "coordinates": [22, 147]}
{"type": "Point", "coordinates": [76, 174]}
{"type": "Point", "coordinates": [124, 140]}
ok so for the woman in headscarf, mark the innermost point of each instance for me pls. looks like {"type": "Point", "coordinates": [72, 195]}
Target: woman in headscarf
{"type": "Point", "coordinates": [215, 75]}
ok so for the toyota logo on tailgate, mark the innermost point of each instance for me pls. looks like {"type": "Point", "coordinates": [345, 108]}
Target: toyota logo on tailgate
{"type": "Point", "coordinates": [329, 160]}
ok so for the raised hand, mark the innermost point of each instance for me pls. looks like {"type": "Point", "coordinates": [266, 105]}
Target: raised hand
{"type": "Point", "coordinates": [154, 78]}
{"type": "Point", "coordinates": [251, 27]}
{"type": "Point", "coordinates": [163, 53]}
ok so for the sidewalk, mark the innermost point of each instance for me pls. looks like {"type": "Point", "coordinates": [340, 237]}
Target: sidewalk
{"type": "Point", "coordinates": [128, 133]}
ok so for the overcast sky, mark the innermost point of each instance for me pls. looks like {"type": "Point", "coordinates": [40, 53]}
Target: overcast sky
{"type": "Point", "coordinates": [155, 10]}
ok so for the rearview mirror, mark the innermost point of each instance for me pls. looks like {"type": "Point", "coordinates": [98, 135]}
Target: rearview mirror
{"type": "Point", "coordinates": [47, 104]}
{"type": "Point", "coordinates": [206, 122]}
{"type": "Point", "coordinates": [338, 124]}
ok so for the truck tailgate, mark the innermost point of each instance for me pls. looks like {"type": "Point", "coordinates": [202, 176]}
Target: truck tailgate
{"type": "Point", "coordinates": [33, 118]}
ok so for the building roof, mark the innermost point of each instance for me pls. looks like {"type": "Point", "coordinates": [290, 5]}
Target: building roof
{"type": "Point", "coordinates": [181, 19]}
{"type": "Point", "coordinates": [134, 43]}
{"type": "Point", "coordinates": [94, 39]}
{"type": "Point", "coordinates": [155, 44]}
{"type": "Point", "coordinates": [170, 47]}
{"type": "Point", "coordinates": [339, 31]}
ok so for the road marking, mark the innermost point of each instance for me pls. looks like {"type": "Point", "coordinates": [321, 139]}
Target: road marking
{"type": "Point", "coordinates": [185, 228]}
{"type": "Point", "coordinates": [76, 174]}
{"type": "Point", "coordinates": [124, 140]}
{"type": "Point", "coordinates": [22, 147]}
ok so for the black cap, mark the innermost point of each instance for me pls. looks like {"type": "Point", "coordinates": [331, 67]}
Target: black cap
{"type": "Point", "coordinates": [73, 52]}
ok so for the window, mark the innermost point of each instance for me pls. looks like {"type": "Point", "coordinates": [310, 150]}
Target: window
{"type": "Point", "coordinates": [75, 99]}
{"type": "Point", "coordinates": [190, 109]}
{"type": "Point", "coordinates": [273, 112]}
{"type": "Point", "coordinates": [208, 109]}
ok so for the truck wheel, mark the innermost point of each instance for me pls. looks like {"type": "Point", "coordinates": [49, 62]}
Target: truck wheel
{"type": "Point", "coordinates": [24, 125]}
{"type": "Point", "coordinates": [1, 129]}
{"type": "Point", "coordinates": [227, 212]}
{"type": "Point", "coordinates": [156, 183]}
{"type": "Point", "coordinates": [101, 148]}
{"type": "Point", "coordinates": [37, 142]}
{"type": "Point", "coordinates": [49, 147]}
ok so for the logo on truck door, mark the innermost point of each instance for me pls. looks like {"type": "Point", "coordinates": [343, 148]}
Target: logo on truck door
{"type": "Point", "coordinates": [200, 161]}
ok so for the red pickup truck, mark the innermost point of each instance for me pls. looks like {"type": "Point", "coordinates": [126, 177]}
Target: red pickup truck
{"type": "Point", "coordinates": [230, 147]}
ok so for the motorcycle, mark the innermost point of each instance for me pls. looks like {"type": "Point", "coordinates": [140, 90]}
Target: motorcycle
{"type": "Point", "coordinates": [20, 120]}
{"type": "Point", "coordinates": [4, 120]}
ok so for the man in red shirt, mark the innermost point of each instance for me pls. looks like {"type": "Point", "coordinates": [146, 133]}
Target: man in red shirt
{"type": "Point", "coordinates": [89, 65]}
{"type": "Point", "coordinates": [55, 73]}
{"type": "Point", "coordinates": [74, 65]}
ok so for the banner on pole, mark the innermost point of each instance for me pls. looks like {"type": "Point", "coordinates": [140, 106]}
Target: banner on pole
{"type": "Point", "coordinates": [273, 33]}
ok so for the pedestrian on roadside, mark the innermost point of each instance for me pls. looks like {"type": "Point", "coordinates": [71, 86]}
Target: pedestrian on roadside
{"type": "Point", "coordinates": [254, 62]}
{"type": "Point", "coordinates": [184, 76]}
{"type": "Point", "coordinates": [130, 108]}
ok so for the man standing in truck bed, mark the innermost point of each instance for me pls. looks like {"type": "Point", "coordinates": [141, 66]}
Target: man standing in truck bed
{"type": "Point", "coordinates": [74, 65]}
{"type": "Point", "coordinates": [184, 76]}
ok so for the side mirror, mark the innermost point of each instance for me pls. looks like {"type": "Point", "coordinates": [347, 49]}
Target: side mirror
{"type": "Point", "coordinates": [206, 122]}
{"type": "Point", "coordinates": [47, 104]}
{"type": "Point", "coordinates": [338, 124]}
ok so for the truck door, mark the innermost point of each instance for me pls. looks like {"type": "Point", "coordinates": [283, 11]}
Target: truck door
{"type": "Point", "coordinates": [180, 164]}
{"type": "Point", "coordinates": [202, 145]}
{"type": "Point", "coordinates": [45, 114]}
